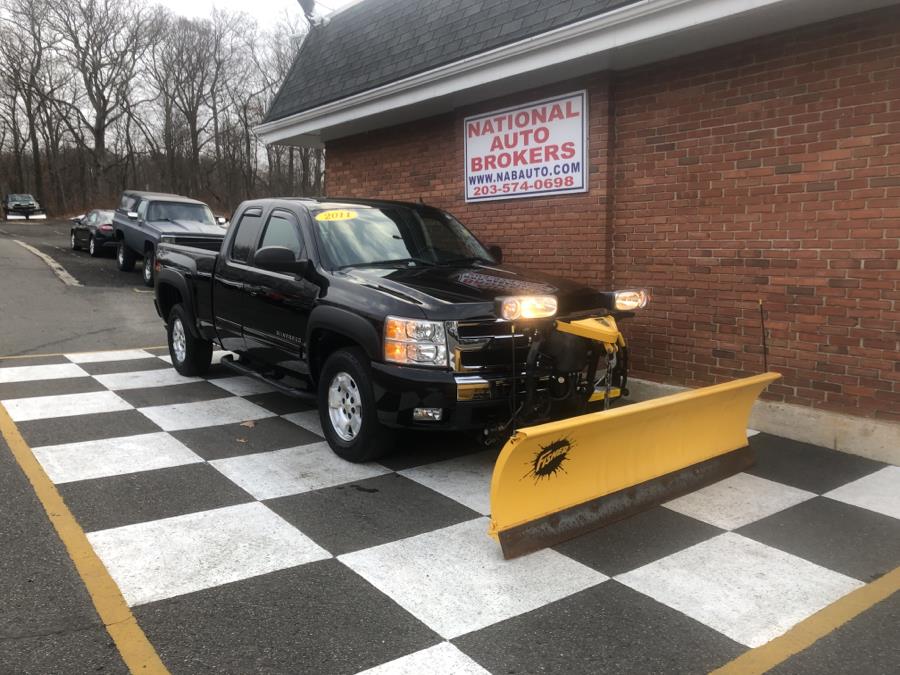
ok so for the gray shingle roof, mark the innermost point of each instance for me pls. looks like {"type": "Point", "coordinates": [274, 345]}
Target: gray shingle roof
{"type": "Point", "coordinates": [380, 41]}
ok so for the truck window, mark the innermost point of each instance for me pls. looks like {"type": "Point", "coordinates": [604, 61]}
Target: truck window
{"type": "Point", "coordinates": [247, 232]}
{"type": "Point", "coordinates": [283, 230]}
{"type": "Point", "coordinates": [142, 210]}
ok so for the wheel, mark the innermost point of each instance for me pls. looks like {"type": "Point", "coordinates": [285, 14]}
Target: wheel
{"type": "Point", "coordinates": [73, 241]}
{"type": "Point", "coordinates": [147, 272]}
{"type": "Point", "coordinates": [347, 408]}
{"type": "Point", "coordinates": [190, 355]}
{"type": "Point", "coordinates": [124, 258]}
{"type": "Point", "coordinates": [93, 249]}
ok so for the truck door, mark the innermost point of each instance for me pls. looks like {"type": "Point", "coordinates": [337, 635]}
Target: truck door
{"type": "Point", "coordinates": [233, 269]}
{"type": "Point", "coordinates": [278, 304]}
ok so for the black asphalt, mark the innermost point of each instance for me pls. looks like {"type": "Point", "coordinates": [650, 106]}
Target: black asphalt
{"type": "Point", "coordinates": [47, 621]}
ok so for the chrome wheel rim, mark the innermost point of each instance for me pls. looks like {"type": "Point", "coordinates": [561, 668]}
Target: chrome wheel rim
{"type": "Point", "coordinates": [91, 246]}
{"type": "Point", "coordinates": [179, 342]}
{"type": "Point", "coordinates": [73, 240]}
{"type": "Point", "coordinates": [120, 255]}
{"type": "Point", "coordinates": [344, 406]}
{"type": "Point", "coordinates": [148, 267]}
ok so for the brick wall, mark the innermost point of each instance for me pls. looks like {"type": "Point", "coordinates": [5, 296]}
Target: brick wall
{"type": "Point", "coordinates": [766, 170]}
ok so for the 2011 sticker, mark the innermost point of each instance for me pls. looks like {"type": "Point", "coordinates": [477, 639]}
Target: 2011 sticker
{"type": "Point", "coordinates": [336, 214]}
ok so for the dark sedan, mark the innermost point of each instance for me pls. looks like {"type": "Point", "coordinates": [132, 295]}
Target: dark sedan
{"type": "Point", "coordinates": [93, 231]}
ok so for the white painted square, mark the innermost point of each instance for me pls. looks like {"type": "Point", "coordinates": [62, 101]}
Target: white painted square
{"type": "Point", "coordinates": [465, 479]}
{"type": "Point", "coordinates": [879, 492]}
{"type": "Point", "coordinates": [290, 471]}
{"type": "Point", "coordinates": [57, 371]}
{"type": "Point", "coordinates": [442, 659]}
{"type": "Point", "coordinates": [744, 589]}
{"type": "Point", "coordinates": [216, 357]}
{"type": "Point", "coordinates": [113, 456]}
{"type": "Point", "coordinates": [165, 558]}
{"type": "Point", "coordinates": [204, 413]}
{"type": "Point", "coordinates": [308, 419]}
{"type": "Point", "coordinates": [143, 379]}
{"type": "Point", "coordinates": [738, 500]}
{"type": "Point", "coordinates": [456, 581]}
{"type": "Point", "coordinates": [44, 407]}
{"type": "Point", "coordinates": [243, 386]}
{"type": "Point", "coordinates": [118, 355]}
{"type": "Point", "coordinates": [751, 433]}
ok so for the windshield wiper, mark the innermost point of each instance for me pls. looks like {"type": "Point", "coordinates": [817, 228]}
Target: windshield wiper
{"type": "Point", "coordinates": [387, 263]}
{"type": "Point", "coordinates": [466, 259]}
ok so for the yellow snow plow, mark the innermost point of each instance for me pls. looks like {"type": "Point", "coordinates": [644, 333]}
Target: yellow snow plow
{"type": "Point", "coordinates": [557, 480]}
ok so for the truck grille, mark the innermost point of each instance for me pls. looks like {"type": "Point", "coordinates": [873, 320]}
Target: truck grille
{"type": "Point", "coordinates": [486, 345]}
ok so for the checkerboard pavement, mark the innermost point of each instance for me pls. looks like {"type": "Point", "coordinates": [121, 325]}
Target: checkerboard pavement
{"type": "Point", "coordinates": [243, 544]}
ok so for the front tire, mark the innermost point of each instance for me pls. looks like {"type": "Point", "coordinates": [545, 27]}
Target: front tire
{"type": "Point", "coordinates": [190, 355]}
{"type": "Point", "coordinates": [147, 272]}
{"type": "Point", "coordinates": [124, 257]}
{"type": "Point", "coordinates": [347, 408]}
{"type": "Point", "coordinates": [73, 241]}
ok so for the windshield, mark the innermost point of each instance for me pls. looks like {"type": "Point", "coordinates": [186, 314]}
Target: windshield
{"type": "Point", "coordinates": [21, 198]}
{"type": "Point", "coordinates": [358, 236]}
{"type": "Point", "coordinates": [199, 213]}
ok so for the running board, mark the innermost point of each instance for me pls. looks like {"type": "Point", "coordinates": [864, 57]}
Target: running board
{"type": "Point", "coordinates": [304, 394]}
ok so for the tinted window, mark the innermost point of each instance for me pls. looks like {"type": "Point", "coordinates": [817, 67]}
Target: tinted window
{"type": "Point", "coordinates": [247, 232]}
{"type": "Point", "coordinates": [127, 203]}
{"type": "Point", "coordinates": [283, 230]}
{"type": "Point", "coordinates": [198, 213]}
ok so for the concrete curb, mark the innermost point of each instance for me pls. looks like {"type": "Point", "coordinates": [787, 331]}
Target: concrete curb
{"type": "Point", "coordinates": [875, 439]}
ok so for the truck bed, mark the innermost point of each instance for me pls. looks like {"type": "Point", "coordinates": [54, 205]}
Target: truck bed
{"type": "Point", "coordinates": [195, 258]}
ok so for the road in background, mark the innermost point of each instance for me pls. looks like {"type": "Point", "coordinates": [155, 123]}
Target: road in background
{"type": "Point", "coordinates": [40, 314]}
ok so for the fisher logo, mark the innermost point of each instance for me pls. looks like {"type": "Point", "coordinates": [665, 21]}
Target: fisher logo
{"type": "Point", "coordinates": [549, 459]}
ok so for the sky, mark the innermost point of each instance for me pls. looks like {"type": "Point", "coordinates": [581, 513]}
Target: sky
{"type": "Point", "coordinates": [265, 11]}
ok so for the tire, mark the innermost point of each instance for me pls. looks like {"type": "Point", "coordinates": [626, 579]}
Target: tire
{"type": "Point", "coordinates": [190, 355]}
{"type": "Point", "coordinates": [347, 373]}
{"type": "Point", "coordinates": [73, 241]}
{"type": "Point", "coordinates": [93, 249]}
{"type": "Point", "coordinates": [124, 257]}
{"type": "Point", "coordinates": [147, 272]}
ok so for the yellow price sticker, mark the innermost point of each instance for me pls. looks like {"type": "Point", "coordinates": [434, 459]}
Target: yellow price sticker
{"type": "Point", "coordinates": [336, 214]}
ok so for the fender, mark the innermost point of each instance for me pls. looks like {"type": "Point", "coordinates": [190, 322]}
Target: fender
{"type": "Point", "coordinates": [167, 277]}
{"type": "Point", "coordinates": [347, 324]}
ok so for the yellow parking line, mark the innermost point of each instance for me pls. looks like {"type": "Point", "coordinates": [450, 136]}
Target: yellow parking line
{"type": "Point", "coordinates": [96, 351]}
{"type": "Point", "coordinates": [807, 632]}
{"type": "Point", "coordinates": [136, 651]}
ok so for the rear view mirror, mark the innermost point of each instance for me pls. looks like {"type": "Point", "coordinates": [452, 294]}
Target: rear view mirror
{"type": "Point", "coordinates": [279, 259]}
{"type": "Point", "coordinates": [496, 252]}
{"type": "Point", "coordinates": [133, 215]}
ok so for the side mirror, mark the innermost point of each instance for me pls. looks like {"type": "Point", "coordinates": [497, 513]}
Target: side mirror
{"type": "Point", "coordinates": [496, 252]}
{"type": "Point", "coordinates": [221, 220]}
{"type": "Point", "coordinates": [280, 259]}
{"type": "Point", "coordinates": [133, 215]}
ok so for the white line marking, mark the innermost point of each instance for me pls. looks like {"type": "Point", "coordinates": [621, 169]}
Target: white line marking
{"type": "Point", "coordinates": [113, 457]}
{"type": "Point", "coordinates": [116, 355]}
{"type": "Point", "coordinates": [57, 269]}
{"type": "Point", "coordinates": [58, 371]}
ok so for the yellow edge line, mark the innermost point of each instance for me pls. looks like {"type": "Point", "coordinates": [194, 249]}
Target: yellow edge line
{"type": "Point", "coordinates": [807, 632]}
{"type": "Point", "coordinates": [136, 651]}
{"type": "Point", "coordinates": [96, 351]}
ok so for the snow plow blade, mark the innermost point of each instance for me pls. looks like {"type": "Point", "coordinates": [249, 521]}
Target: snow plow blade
{"type": "Point", "coordinates": [558, 480]}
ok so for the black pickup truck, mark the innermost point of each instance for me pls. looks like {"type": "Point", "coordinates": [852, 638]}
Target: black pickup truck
{"type": "Point", "coordinates": [386, 315]}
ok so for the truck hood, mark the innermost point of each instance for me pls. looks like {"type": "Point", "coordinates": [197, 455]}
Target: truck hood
{"type": "Point", "coordinates": [187, 227]}
{"type": "Point", "coordinates": [450, 292]}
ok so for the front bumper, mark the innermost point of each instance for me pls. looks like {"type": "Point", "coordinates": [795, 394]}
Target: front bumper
{"type": "Point", "coordinates": [467, 402]}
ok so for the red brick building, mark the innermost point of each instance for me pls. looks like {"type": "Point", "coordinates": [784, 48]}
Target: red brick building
{"type": "Point", "coordinates": [736, 152]}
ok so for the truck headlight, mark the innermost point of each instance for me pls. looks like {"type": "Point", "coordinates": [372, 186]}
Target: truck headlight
{"type": "Point", "coordinates": [415, 342]}
{"type": "Point", "coordinates": [627, 301]}
{"type": "Point", "coordinates": [527, 307]}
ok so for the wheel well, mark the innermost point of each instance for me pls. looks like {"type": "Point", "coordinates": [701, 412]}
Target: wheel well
{"type": "Point", "coordinates": [168, 296]}
{"type": "Point", "coordinates": [323, 343]}
{"type": "Point", "coordinates": [148, 246]}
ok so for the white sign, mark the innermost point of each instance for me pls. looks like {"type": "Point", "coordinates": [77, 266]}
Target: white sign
{"type": "Point", "coordinates": [537, 149]}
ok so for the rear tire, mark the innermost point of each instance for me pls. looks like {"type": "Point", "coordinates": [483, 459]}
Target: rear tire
{"type": "Point", "coordinates": [124, 258]}
{"type": "Point", "coordinates": [93, 249]}
{"type": "Point", "coordinates": [147, 271]}
{"type": "Point", "coordinates": [190, 355]}
{"type": "Point", "coordinates": [347, 408]}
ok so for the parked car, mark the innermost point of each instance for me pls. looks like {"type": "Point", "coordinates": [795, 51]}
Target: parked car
{"type": "Point", "coordinates": [386, 314]}
{"type": "Point", "coordinates": [93, 231]}
{"type": "Point", "coordinates": [142, 217]}
{"type": "Point", "coordinates": [18, 206]}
